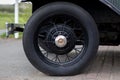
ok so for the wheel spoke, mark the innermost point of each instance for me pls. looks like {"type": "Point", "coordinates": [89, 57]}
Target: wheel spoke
{"type": "Point", "coordinates": [48, 41]}
{"type": "Point", "coordinates": [81, 41]}
{"type": "Point", "coordinates": [76, 51]}
{"type": "Point", "coordinates": [41, 36]}
{"type": "Point", "coordinates": [56, 58]}
{"type": "Point", "coordinates": [45, 54]}
{"type": "Point", "coordinates": [67, 27]}
{"type": "Point", "coordinates": [55, 27]}
{"type": "Point", "coordinates": [65, 22]}
{"type": "Point", "coordinates": [67, 57]}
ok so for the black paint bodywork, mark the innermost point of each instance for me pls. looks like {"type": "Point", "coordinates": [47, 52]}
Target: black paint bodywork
{"type": "Point", "coordinates": [113, 4]}
{"type": "Point", "coordinates": [106, 13]}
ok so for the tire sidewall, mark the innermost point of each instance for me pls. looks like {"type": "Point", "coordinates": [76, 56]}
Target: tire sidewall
{"type": "Point", "coordinates": [46, 11]}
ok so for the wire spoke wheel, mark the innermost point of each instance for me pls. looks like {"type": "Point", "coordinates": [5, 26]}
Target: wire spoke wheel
{"type": "Point", "coordinates": [64, 39]}
{"type": "Point", "coordinates": [60, 39]}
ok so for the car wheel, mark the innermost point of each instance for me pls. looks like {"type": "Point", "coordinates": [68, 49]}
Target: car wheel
{"type": "Point", "coordinates": [60, 38]}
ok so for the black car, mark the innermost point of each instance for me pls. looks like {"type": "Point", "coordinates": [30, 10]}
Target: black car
{"type": "Point", "coordinates": [61, 37]}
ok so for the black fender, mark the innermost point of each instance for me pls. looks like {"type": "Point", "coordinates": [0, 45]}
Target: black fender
{"type": "Point", "coordinates": [113, 4]}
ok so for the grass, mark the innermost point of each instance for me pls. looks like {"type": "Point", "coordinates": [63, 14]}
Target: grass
{"type": "Point", "coordinates": [7, 15]}
{"type": "Point", "coordinates": [3, 35]}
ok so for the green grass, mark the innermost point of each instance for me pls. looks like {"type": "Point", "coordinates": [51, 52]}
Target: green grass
{"type": "Point", "coordinates": [3, 36]}
{"type": "Point", "coordinates": [7, 14]}
{"type": "Point", "coordinates": [5, 17]}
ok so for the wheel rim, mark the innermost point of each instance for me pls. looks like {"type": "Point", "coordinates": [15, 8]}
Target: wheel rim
{"type": "Point", "coordinates": [61, 40]}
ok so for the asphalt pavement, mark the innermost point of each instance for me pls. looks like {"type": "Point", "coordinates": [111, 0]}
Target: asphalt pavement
{"type": "Point", "coordinates": [15, 66]}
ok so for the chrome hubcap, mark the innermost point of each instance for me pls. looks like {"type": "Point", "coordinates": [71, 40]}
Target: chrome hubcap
{"type": "Point", "coordinates": [60, 41]}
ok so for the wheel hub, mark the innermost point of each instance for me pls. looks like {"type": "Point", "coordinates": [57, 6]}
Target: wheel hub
{"type": "Point", "coordinates": [59, 40]}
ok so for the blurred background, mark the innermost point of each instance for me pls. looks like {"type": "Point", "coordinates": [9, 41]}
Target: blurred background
{"type": "Point", "coordinates": [7, 9]}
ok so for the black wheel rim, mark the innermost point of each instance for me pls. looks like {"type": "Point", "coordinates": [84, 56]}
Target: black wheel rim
{"type": "Point", "coordinates": [73, 27]}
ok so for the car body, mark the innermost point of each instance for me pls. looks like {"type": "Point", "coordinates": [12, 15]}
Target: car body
{"type": "Point", "coordinates": [105, 13]}
{"type": "Point", "coordinates": [63, 22]}
{"type": "Point", "coordinates": [113, 4]}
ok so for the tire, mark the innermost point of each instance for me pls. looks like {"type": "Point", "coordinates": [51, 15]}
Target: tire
{"type": "Point", "coordinates": [65, 68]}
